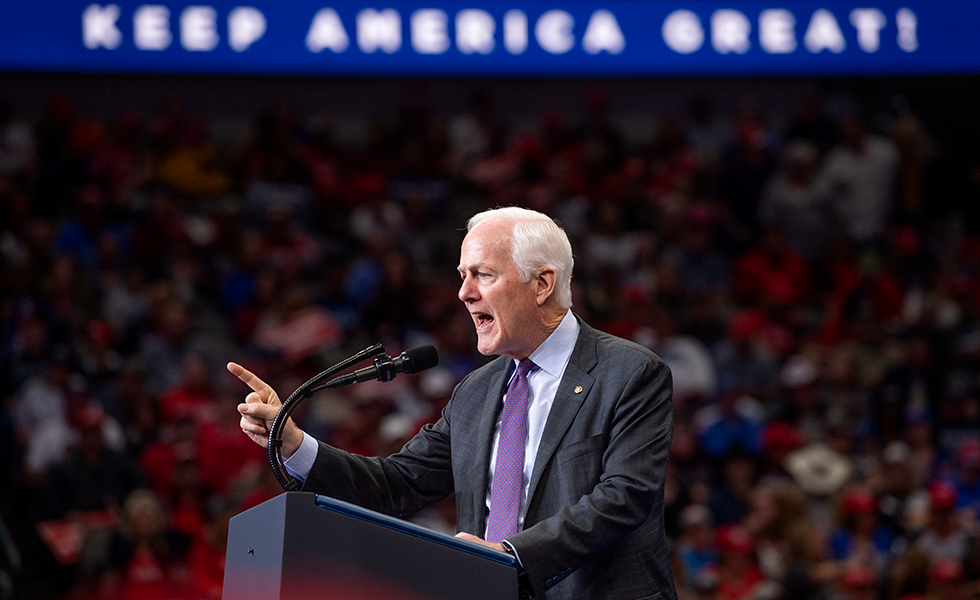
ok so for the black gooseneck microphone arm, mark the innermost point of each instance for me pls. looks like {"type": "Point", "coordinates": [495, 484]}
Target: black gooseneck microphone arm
{"type": "Point", "coordinates": [302, 393]}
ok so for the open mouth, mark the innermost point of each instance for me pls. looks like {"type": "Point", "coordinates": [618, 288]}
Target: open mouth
{"type": "Point", "coordinates": [483, 321]}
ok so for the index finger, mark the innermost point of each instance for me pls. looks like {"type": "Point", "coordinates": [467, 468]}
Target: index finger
{"type": "Point", "coordinates": [248, 378]}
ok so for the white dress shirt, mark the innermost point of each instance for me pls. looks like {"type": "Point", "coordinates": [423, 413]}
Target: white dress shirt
{"type": "Point", "coordinates": [551, 357]}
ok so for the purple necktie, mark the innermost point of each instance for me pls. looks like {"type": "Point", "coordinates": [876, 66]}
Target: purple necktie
{"type": "Point", "coordinates": [508, 470]}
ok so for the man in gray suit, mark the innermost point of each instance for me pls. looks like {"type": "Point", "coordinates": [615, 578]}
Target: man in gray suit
{"type": "Point", "coordinates": [556, 450]}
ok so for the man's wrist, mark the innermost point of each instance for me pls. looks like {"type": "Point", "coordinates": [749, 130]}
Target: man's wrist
{"type": "Point", "coordinates": [509, 549]}
{"type": "Point", "coordinates": [292, 438]}
{"type": "Point", "coordinates": [524, 584]}
{"type": "Point", "coordinates": [301, 462]}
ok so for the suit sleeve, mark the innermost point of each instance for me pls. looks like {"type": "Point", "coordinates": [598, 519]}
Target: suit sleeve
{"type": "Point", "coordinates": [634, 466]}
{"type": "Point", "coordinates": [401, 484]}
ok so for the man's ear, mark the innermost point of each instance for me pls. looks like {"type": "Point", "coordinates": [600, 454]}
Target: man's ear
{"type": "Point", "coordinates": [544, 285]}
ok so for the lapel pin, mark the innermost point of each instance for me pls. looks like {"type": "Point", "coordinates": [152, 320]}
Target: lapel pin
{"type": "Point", "coordinates": [578, 389]}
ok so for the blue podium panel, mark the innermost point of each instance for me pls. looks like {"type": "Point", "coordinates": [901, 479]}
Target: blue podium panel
{"type": "Point", "coordinates": [303, 546]}
{"type": "Point", "coordinates": [493, 37]}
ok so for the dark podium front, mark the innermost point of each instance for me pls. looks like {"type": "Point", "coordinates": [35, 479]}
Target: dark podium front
{"type": "Point", "coordinates": [301, 546]}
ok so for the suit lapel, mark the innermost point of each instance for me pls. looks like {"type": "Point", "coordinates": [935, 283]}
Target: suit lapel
{"type": "Point", "coordinates": [567, 401]}
{"type": "Point", "coordinates": [483, 442]}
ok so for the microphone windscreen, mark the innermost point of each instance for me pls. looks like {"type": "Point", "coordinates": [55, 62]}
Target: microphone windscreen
{"type": "Point", "coordinates": [420, 359]}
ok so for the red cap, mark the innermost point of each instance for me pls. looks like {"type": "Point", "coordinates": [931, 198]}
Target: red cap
{"type": "Point", "coordinates": [90, 417]}
{"type": "Point", "coordinates": [859, 502]}
{"type": "Point", "coordinates": [744, 325]}
{"type": "Point", "coordinates": [529, 146]}
{"type": "Point", "coordinates": [907, 241]}
{"type": "Point", "coordinates": [99, 331]}
{"type": "Point", "coordinates": [735, 539]}
{"type": "Point", "coordinates": [699, 215]}
{"type": "Point", "coordinates": [860, 577]}
{"type": "Point", "coordinates": [942, 495]}
{"type": "Point", "coordinates": [750, 133]}
{"type": "Point", "coordinates": [946, 570]}
{"type": "Point", "coordinates": [779, 289]}
{"type": "Point", "coordinates": [781, 437]}
{"type": "Point", "coordinates": [968, 453]}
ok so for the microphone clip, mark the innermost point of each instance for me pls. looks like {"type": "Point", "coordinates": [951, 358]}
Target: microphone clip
{"type": "Point", "coordinates": [386, 368]}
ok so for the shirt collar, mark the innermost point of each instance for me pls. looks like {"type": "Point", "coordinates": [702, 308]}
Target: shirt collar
{"type": "Point", "coordinates": [553, 353]}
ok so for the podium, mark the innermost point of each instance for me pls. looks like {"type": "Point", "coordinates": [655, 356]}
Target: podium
{"type": "Point", "coordinates": [300, 546]}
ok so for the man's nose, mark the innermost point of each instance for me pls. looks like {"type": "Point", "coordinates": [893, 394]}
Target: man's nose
{"type": "Point", "coordinates": [467, 291]}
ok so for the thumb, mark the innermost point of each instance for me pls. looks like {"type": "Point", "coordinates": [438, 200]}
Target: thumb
{"type": "Point", "coordinates": [252, 411]}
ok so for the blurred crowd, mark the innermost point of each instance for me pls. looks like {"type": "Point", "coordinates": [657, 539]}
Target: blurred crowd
{"type": "Point", "coordinates": [812, 278]}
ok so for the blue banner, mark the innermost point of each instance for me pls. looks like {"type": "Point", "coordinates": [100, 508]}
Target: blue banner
{"type": "Point", "coordinates": [498, 38]}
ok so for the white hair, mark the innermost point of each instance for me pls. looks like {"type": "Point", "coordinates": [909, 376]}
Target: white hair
{"type": "Point", "coordinates": [536, 242]}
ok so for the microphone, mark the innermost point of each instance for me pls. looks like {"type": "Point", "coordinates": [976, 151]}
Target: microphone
{"type": "Point", "coordinates": [385, 368]}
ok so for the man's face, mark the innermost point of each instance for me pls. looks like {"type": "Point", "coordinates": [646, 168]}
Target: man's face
{"type": "Point", "coordinates": [501, 306]}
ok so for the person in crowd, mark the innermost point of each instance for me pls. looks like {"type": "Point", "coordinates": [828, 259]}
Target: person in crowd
{"type": "Point", "coordinates": [92, 477]}
{"type": "Point", "coordinates": [858, 176]}
{"type": "Point", "coordinates": [793, 203]}
{"type": "Point", "coordinates": [145, 553]}
{"type": "Point", "coordinates": [967, 479]}
{"type": "Point", "coordinates": [729, 497]}
{"type": "Point", "coordinates": [910, 578]}
{"type": "Point", "coordinates": [739, 576]}
{"type": "Point", "coordinates": [789, 548]}
{"type": "Point", "coordinates": [943, 537]}
{"type": "Point", "coordinates": [903, 504]}
{"type": "Point", "coordinates": [696, 548]}
{"type": "Point", "coordinates": [946, 580]}
{"type": "Point", "coordinates": [861, 538]}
